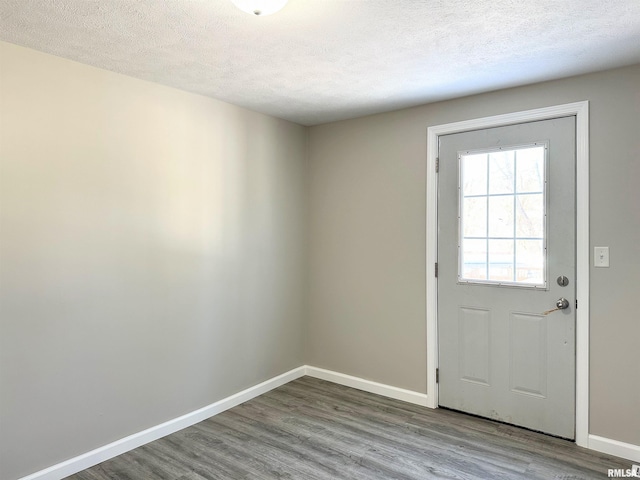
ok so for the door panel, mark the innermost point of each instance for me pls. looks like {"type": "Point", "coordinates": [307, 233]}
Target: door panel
{"type": "Point", "coordinates": [506, 231]}
{"type": "Point", "coordinates": [528, 354]}
{"type": "Point", "coordinates": [475, 345]}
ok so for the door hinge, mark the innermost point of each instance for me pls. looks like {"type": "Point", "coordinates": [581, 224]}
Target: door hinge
{"type": "Point", "coordinates": [576, 303]}
{"type": "Point", "coordinates": [437, 375]}
{"type": "Point", "coordinates": [436, 269]}
{"type": "Point", "coordinates": [437, 164]}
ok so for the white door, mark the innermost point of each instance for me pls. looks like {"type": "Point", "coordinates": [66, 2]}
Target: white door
{"type": "Point", "coordinates": [506, 257]}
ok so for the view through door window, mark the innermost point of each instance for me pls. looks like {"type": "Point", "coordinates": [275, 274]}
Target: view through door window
{"type": "Point", "coordinates": [502, 220]}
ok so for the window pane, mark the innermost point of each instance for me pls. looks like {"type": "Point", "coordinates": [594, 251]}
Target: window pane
{"type": "Point", "coordinates": [474, 174]}
{"type": "Point", "coordinates": [474, 259]}
{"type": "Point", "coordinates": [501, 216]}
{"type": "Point", "coordinates": [501, 178]}
{"type": "Point", "coordinates": [501, 260]}
{"type": "Point", "coordinates": [530, 166]}
{"type": "Point", "coordinates": [529, 261]}
{"type": "Point", "coordinates": [474, 217]}
{"type": "Point", "coordinates": [530, 215]}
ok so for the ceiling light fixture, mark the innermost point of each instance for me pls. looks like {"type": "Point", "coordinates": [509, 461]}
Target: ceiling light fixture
{"type": "Point", "coordinates": [260, 7]}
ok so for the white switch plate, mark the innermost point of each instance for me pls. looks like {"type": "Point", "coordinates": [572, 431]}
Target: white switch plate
{"type": "Point", "coordinates": [601, 256]}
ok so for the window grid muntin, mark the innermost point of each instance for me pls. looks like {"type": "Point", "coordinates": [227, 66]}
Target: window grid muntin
{"type": "Point", "coordinates": [515, 194]}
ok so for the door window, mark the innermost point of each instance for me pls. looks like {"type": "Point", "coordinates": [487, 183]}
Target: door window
{"type": "Point", "coordinates": [502, 216]}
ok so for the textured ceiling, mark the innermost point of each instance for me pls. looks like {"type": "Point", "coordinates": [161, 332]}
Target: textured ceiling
{"type": "Point", "coordinates": [322, 60]}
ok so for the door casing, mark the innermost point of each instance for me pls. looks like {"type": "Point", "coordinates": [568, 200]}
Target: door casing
{"type": "Point", "coordinates": [581, 112]}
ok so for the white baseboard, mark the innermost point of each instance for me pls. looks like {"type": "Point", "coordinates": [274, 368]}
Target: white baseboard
{"type": "Point", "coordinates": [368, 386]}
{"type": "Point", "coordinates": [89, 459]}
{"type": "Point", "coordinates": [614, 447]}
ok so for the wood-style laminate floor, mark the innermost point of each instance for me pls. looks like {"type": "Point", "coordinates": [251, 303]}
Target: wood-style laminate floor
{"type": "Point", "coordinates": [312, 429]}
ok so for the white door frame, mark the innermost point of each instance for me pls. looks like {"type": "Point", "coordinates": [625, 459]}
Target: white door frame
{"type": "Point", "coordinates": [581, 112]}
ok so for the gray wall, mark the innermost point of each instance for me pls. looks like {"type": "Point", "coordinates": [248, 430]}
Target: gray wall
{"type": "Point", "coordinates": [153, 250]}
{"type": "Point", "coordinates": [152, 255]}
{"type": "Point", "coordinates": [367, 239]}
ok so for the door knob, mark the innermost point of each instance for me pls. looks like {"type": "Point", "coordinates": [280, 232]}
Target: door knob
{"type": "Point", "coordinates": [561, 304]}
